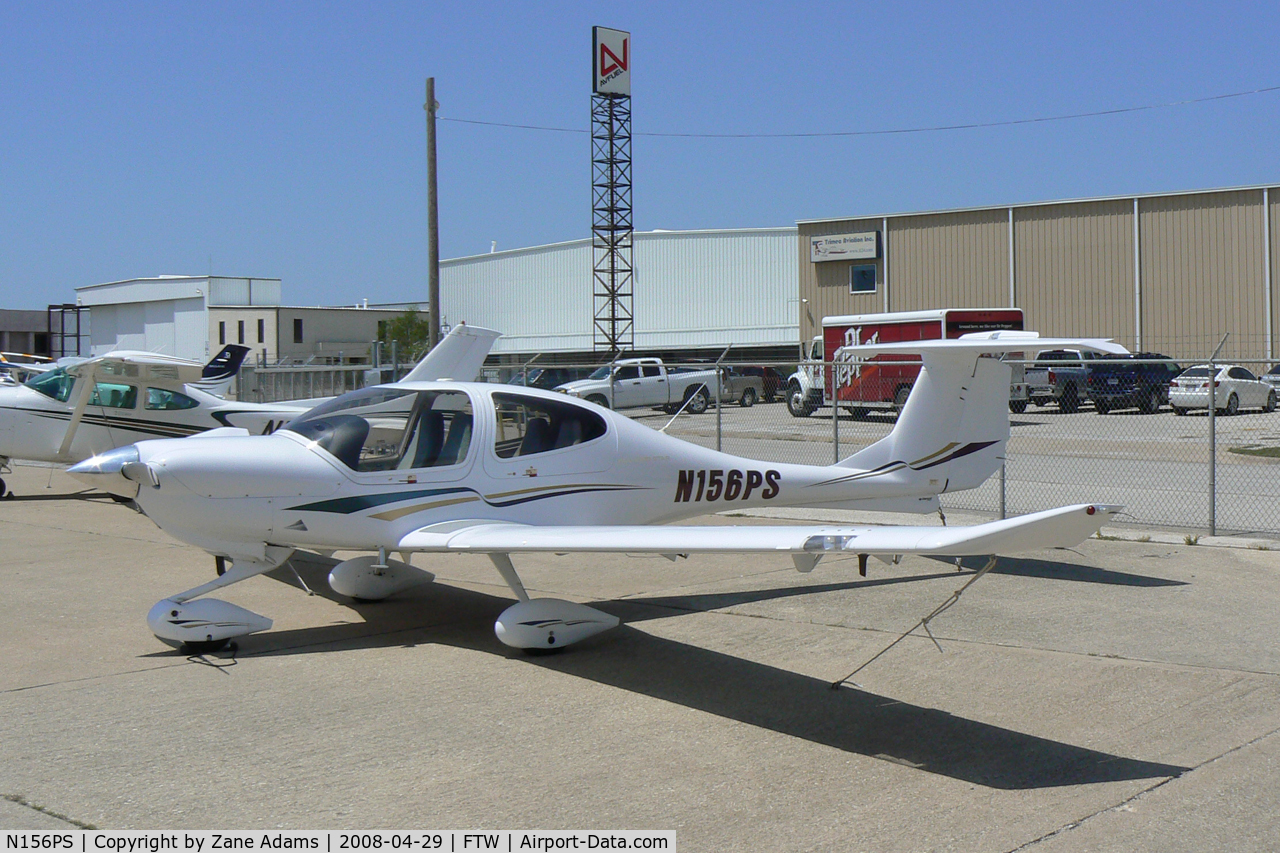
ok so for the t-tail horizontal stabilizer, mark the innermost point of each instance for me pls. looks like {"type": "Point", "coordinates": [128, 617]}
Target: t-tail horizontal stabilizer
{"type": "Point", "coordinates": [952, 432]}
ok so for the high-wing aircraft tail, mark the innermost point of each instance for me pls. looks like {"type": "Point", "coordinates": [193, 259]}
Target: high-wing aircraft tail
{"type": "Point", "coordinates": [952, 432]}
{"type": "Point", "coordinates": [458, 356]}
{"type": "Point", "coordinates": [216, 376]}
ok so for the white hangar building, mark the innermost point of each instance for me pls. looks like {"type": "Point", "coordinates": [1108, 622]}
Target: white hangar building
{"type": "Point", "coordinates": [193, 316]}
{"type": "Point", "coordinates": [695, 292]}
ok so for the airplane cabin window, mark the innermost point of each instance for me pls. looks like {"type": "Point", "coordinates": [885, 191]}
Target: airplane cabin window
{"type": "Point", "coordinates": [528, 425]}
{"type": "Point", "coordinates": [386, 428]}
{"type": "Point", "coordinates": [164, 400]}
{"type": "Point", "coordinates": [53, 383]}
{"type": "Point", "coordinates": [114, 395]}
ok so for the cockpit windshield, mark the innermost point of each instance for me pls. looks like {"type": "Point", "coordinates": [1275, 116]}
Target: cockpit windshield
{"type": "Point", "coordinates": [53, 383]}
{"type": "Point", "coordinates": [387, 428]}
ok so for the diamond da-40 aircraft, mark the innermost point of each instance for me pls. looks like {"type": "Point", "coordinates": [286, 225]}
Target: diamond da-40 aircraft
{"type": "Point", "coordinates": [83, 407]}
{"type": "Point", "coordinates": [434, 465]}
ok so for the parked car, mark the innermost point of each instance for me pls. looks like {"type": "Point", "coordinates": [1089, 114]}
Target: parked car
{"type": "Point", "coordinates": [547, 377]}
{"type": "Point", "coordinates": [1272, 376]}
{"type": "Point", "coordinates": [1140, 381]}
{"type": "Point", "coordinates": [772, 382]}
{"type": "Point", "coordinates": [737, 384]}
{"type": "Point", "coordinates": [1060, 376]}
{"type": "Point", "coordinates": [646, 382]}
{"type": "Point", "coordinates": [1235, 388]}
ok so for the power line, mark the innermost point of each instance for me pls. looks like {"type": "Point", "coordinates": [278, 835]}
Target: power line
{"type": "Point", "coordinates": [903, 130]}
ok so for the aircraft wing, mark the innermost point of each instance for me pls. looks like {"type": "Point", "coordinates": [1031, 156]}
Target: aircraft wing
{"type": "Point", "coordinates": [458, 356]}
{"type": "Point", "coordinates": [22, 372]}
{"type": "Point", "coordinates": [1054, 528]}
{"type": "Point", "coordinates": [139, 365]}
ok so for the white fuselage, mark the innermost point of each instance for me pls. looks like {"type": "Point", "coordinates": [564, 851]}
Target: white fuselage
{"type": "Point", "coordinates": [228, 494]}
{"type": "Point", "coordinates": [33, 425]}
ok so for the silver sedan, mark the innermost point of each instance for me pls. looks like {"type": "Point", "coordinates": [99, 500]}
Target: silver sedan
{"type": "Point", "coordinates": [1235, 388]}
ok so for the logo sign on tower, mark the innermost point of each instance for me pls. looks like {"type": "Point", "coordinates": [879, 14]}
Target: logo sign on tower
{"type": "Point", "coordinates": [612, 61]}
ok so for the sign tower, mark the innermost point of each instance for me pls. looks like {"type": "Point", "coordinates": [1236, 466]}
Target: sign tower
{"type": "Point", "coordinates": [611, 223]}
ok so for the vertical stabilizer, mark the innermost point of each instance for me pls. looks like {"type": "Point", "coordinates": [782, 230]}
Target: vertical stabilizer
{"type": "Point", "coordinates": [952, 431]}
{"type": "Point", "coordinates": [216, 376]}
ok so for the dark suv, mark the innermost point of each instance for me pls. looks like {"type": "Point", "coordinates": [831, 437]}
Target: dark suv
{"type": "Point", "coordinates": [1139, 380]}
{"type": "Point", "coordinates": [547, 377]}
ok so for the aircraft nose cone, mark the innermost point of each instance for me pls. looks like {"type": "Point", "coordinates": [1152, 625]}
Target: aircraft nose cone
{"type": "Point", "coordinates": [106, 471]}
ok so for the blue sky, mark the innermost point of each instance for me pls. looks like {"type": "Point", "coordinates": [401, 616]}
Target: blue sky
{"type": "Point", "coordinates": [287, 139]}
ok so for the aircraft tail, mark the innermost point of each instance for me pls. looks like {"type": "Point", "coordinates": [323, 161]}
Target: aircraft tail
{"type": "Point", "coordinates": [216, 376]}
{"type": "Point", "coordinates": [952, 432]}
{"type": "Point", "coordinates": [954, 428]}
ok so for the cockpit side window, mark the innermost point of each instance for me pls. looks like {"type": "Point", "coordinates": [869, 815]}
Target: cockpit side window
{"type": "Point", "coordinates": [529, 425]}
{"type": "Point", "coordinates": [441, 435]}
{"type": "Point", "coordinates": [386, 428]}
{"type": "Point", "coordinates": [53, 383]}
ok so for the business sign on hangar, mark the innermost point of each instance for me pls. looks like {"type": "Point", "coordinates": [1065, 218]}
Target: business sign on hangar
{"type": "Point", "coordinates": [845, 247]}
{"type": "Point", "coordinates": [612, 61]}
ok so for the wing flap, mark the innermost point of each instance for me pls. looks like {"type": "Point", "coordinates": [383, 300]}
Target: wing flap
{"type": "Point", "coordinates": [1055, 528]}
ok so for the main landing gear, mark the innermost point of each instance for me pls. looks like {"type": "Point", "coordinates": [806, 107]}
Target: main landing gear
{"type": "Point", "coordinates": [544, 623]}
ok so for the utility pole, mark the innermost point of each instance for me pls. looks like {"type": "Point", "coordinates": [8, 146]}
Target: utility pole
{"type": "Point", "coordinates": [433, 222]}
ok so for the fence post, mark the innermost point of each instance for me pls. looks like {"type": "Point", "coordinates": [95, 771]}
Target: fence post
{"type": "Point", "coordinates": [1213, 438]}
{"type": "Point", "coordinates": [835, 409]}
{"type": "Point", "coordinates": [1003, 505]}
{"type": "Point", "coordinates": [1213, 448]}
{"type": "Point", "coordinates": [719, 395]}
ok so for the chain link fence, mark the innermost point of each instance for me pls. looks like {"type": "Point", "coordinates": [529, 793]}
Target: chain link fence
{"type": "Point", "coordinates": [1214, 473]}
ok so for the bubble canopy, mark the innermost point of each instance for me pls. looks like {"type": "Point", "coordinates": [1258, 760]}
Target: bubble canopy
{"type": "Point", "coordinates": [386, 428]}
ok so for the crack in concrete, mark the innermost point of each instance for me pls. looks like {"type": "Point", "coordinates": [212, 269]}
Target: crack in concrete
{"type": "Point", "coordinates": [19, 800]}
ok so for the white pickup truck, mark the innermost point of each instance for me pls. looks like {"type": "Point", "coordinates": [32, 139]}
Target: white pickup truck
{"type": "Point", "coordinates": [635, 382]}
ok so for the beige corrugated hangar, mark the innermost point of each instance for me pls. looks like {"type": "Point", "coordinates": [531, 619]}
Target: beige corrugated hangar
{"type": "Point", "coordinates": [1169, 273]}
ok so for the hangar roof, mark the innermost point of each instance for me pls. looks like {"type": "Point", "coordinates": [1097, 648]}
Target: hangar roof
{"type": "Point", "coordinates": [1035, 204]}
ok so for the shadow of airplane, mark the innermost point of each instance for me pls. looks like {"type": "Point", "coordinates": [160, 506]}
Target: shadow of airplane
{"type": "Point", "coordinates": [82, 495]}
{"type": "Point", "coordinates": [1049, 570]}
{"type": "Point", "coordinates": [852, 720]}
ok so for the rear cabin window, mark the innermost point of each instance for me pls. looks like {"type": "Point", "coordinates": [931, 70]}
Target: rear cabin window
{"type": "Point", "coordinates": [528, 425]}
{"type": "Point", "coordinates": [384, 429]}
{"type": "Point", "coordinates": [164, 400]}
{"type": "Point", "coordinates": [114, 395]}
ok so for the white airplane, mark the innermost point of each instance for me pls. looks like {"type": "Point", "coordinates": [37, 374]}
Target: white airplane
{"type": "Point", "coordinates": [83, 407]}
{"type": "Point", "coordinates": [440, 466]}
{"type": "Point", "coordinates": [16, 365]}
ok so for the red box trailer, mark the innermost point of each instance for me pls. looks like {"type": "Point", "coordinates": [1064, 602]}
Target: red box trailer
{"type": "Point", "coordinates": [885, 381]}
